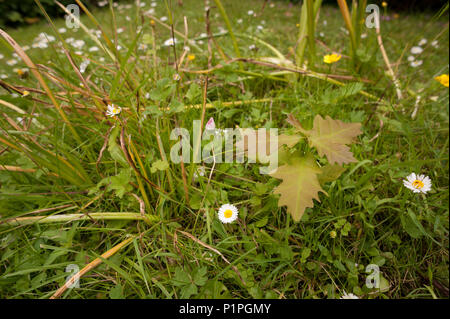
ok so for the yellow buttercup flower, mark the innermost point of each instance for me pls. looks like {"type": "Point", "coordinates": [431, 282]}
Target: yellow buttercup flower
{"type": "Point", "coordinates": [443, 79]}
{"type": "Point", "coordinates": [384, 4]}
{"type": "Point", "coordinates": [331, 58]}
{"type": "Point", "coordinates": [191, 57]}
{"type": "Point", "coordinates": [25, 93]}
{"type": "Point", "coordinates": [333, 234]}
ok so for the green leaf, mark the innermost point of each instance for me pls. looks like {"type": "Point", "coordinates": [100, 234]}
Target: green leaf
{"type": "Point", "coordinates": [114, 149]}
{"type": "Point", "coordinates": [199, 276]}
{"type": "Point", "coordinates": [194, 92]}
{"type": "Point", "coordinates": [188, 291]}
{"type": "Point", "coordinates": [334, 96]}
{"type": "Point", "coordinates": [120, 183]}
{"type": "Point", "coordinates": [181, 278]}
{"type": "Point", "coordinates": [164, 88]}
{"type": "Point", "coordinates": [116, 292]}
{"type": "Point", "coordinates": [159, 165]}
{"type": "Point", "coordinates": [410, 224]}
{"type": "Point", "coordinates": [299, 187]}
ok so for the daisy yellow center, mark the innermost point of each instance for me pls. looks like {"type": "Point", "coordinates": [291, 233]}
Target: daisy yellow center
{"type": "Point", "coordinates": [228, 213]}
{"type": "Point", "coordinates": [417, 184]}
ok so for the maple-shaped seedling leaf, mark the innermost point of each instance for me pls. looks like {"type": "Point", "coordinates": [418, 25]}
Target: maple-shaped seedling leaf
{"type": "Point", "coordinates": [300, 185]}
{"type": "Point", "coordinates": [330, 137]}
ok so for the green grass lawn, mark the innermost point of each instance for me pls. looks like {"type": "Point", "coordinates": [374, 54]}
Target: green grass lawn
{"type": "Point", "coordinates": [73, 159]}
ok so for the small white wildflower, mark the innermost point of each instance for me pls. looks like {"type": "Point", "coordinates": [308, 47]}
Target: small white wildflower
{"type": "Point", "coordinates": [228, 213]}
{"type": "Point", "coordinates": [201, 171]}
{"type": "Point", "coordinates": [11, 62]}
{"type": "Point", "coordinates": [416, 63]}
{"type": "Point", "coordinates": [78, 44]}
{"type": "Point", "coordinates": [84, 65]}
{"type": "Point", "coordinates": [153, 4]}
{"type": "Point", "coordinates": [416, 50]}
{"type": "Point", "coordinates": [1, 56]}
{"type": "Point", "coordinates": [435, 44]}
{"type": "Point", "coordinates": [113, 110]}
{"type": "Point", "coordinates": [417, 183]}
{"type": "Point", "coordinates": [93, 49]}
{"type": "Point", "coordinates": [411, 58]}
{"type": "Point", "coordinates": [62, 30]}
{"type": "Point", "coordinates": [250, 12]}
{"type": "Point", "coordinates": [423, 42]}
{"type": "Point", "coordinates": [364, 35]}
{"type": "Point", "coordinates": [120, 30]}
{"type": "Point", "coordinates": [349, 296]}
{"type": "Point", "coordinates": [239, 21]}
{"type": "Point", "coordinates": [102, 3]}
{"type": "Point", "coordinates": [252, 47]}
{"type": "Point", "coordinates": [163, 19]}
{"type": "Point", "coordinates": [170, 42]}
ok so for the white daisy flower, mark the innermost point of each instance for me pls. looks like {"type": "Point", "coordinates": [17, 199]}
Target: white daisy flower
{"type": "Point", "coordinates": [11, 62]}
{"type": "Point", "coordinates": [364, 35]}
{"type": "Point", "coordinates": [250, 12]}
{"type": "Point", "coordinates": [93, 49]}
{"type": "Point", "coordinates": [163, 19]}
{"type": "Point", "coordinates": [120, 30]}
{"type": "Point", "coordinates": [170, 42]}
{"type": "Point", "coordinates": [418, 183]}
{"type": "Point", "coordinates": [150, 11]}
{"type": "Point", "coordinates": [228, 213]}
{"type": "Point", "coordinates": [252, 47]}
{"type": "Point", "coordinates": [153, 4]}
{"type": "Point", "coordinates": [416, 63]}
{"type": "Point", "coordinates": [3, 76]}
{"type": "Point", "coordinates": [239, 21]}
{"type": "Point", "coordinates": [272, 5]}
{"type": "Point", "coordinates": [411, 58]}
{"type": "Point", "coordinates": [435, 44]}
{"type": "Point", "coordinates": [416, 50]}
{"type": "Point", "coordinates": [113, 110]}
{"type": "Point", "coordinates": [102, 3]}
{"type": "Point", "coordinates": [349, 296]}
{"type": "Point", "coordinates": [62, 30]}
{"type": "Point", "coordinates": [423, 42]}
{"type": "Point", "coordinates": [78, 44]}
{"type": "Point", "coordinates": [1, 56]}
